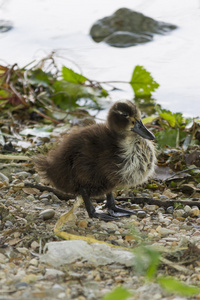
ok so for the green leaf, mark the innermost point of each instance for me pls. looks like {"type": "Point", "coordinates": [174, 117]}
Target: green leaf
{"type": "Point", "coordinates": [142, 82]}
{"type": "Point", "coordinates": [169, 118]}
{"type": "Point", "coordinates": [149, 119]}
{"type": "Point", "coordinates": [71, 76]}
{"type": "Point", "coordinates": [168, 137]}
{"type": "Point", "coordinates": [118, 293]}
{"type": "Point", "coordinates": [173, 285]}
{"type": "Point", "coordinates": [147, 260]}
{"type": "Point", "coordinates": [67, 95]}
{"type": "Point", "coordinates": [40, 77]}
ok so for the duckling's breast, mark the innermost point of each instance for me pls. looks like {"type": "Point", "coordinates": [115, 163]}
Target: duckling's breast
{"type": "Point", "coordinates": [137, 161]}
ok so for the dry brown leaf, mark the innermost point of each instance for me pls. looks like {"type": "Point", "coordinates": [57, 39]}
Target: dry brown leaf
{"type": "Point", "coordinates": [31, 191]}
{"type": "Point", "coordinates": [169, 194]}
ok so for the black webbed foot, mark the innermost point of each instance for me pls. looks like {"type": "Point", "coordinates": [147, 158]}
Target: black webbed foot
{"type": "Point", "coordinates": [103, 216]}
{"type": "Point", "coordinates": [91, 210]}
{"type": "Point", "coordinates": [117, 211]}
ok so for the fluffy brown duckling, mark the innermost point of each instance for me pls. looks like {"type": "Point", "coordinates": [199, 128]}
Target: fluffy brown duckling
{"type": "Point", "coordinates": [96, 159]}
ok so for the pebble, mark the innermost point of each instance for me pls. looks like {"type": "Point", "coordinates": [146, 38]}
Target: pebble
{"type": "Point", "coordinates": [163, 197]}
{"type": "Point", "coordinates": [22, 250]}
{"type": "Point", "coordinates": [129, 238]}
{"type": "Point", "coordinates": [47, 214]}
{"type": "Point", "coordinates": [21, 285]}
{"type": "Point", "coordinates": [164, 231]}
{"type": "Point", "coordinates": [109, 226]}
{"type": "Point", "coordinates": [151, 207]}
{"type": "Point", "coordinates": [187, 209]}
{"type": "Point", "coordinates": [61, 295]}
{"type": "Point", "coordinates": [194, 212]}
{"type": "Point", "coordinates": [170, 209]}
{"type": "Point", "coordinates": [57, 286]}
{"type": "Point", "coordinates": [141, 214]}
{"type": "Point", "coordinates": [44, 200]}
{"type": "Point", "coordinates": [35, 245]}
{"type": "Point", "coordinates": [8, 224]}
{"type": "Point", "coordinates": [30, 278]}
{"type": "Point", "coordinates": [3, 258]}
{"type": "Point", "coordinates": [33, 262]}
{"type": "Point", "coordinates": [4, 178]}
{"type": "Point", "coordinates": [30, 198]}
{"type": "Point", "coordinates": [45, 195]}
{"type": "Point", "coordinates": [52, 273]}
{"type": "Point", "coordinates": [178, 213]}
{"type": "Point", "coordinates": [83, 224]}
{"type": "Point", "coordinates": [23, 175]}
{"type": "Point", "coordinates": [161, 210]}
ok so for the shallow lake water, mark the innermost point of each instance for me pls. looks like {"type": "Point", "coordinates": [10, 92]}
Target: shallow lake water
{"type": "Point", "coordinates": [41, 26]}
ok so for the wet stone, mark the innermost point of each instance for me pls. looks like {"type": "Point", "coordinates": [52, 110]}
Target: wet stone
{"type": "Point", "coordinates": [194, 212]}
{"type": "Point", "coordinates": [30, 198]}
{"type": "Point", "coordinates": [21, 285]}
{"type": "Point", "coordinates": [8, 224]}
{"type": "Point", "coordinates": [178, 213]}
{"type": "Point", "coordinates": [141, 214]}
{"type": "Point", "coordinates": [170, 209]}
{"type": "Point", "coordinates": [151, 207]}
{"type": "Point", "coordinates": [47, 214]}
{"type": "Point", "coordinates": [5, 26]}
{"type": "Point", "coordinates": [163, 197]}
{"type": "Point", "coordinates": [4, 178]}
{"type": "Point", "coordinates": [45, 195]}
{"type": "Point", "coordinates": [23, 175]}
{"type": "Point", "coordinates": [187, 209]}
{"type": "Point", "coordinates": [127, 28]}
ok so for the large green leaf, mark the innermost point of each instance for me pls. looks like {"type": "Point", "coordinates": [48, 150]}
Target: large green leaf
{"type": "Point", "coordinates": [118, 293]}
{"type": "Point", "coordinates": [175, 286]}
{"type": "Point", "coordinates": [40, 77]}
{"type": "Point", "coordinates": [71, 76]}
{"type": "Point", "coordinates": [67, 95]}
{"type": "Point", "coordinates": [169, 137]}
{"type": "Point", "coordinates": [142, 82]}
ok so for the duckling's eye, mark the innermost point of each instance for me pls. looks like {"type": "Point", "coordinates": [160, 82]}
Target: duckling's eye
{"type": "Point", "coordinates": [125, 115]}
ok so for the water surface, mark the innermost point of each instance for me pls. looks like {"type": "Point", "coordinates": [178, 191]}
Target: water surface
{"type": "Point", "coordinates": [41, 26]}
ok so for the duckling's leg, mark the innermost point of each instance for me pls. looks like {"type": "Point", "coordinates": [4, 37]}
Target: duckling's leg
{"type": "Point", "coordinates": [91, 210]}
{"type": "Point", "coordinates": [115, 210]}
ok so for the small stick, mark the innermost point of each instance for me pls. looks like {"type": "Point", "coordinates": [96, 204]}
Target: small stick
{"type": "Point", "coordinates": [137, 200]}
{"type": "Point", "coordinates": [42, 188]}
{"type": "Point", "coordinates": [163, 203]}
{"type": "Point", "coordinates": [14, 157]}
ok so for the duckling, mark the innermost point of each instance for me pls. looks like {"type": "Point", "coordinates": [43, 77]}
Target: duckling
{"type": "Point", "coordinates": [96, 159]}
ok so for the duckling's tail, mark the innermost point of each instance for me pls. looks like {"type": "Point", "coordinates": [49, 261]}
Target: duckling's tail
{"type": "Point", "coordinates": [42, 167]}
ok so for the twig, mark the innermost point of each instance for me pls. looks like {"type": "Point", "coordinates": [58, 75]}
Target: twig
{"type": "Point", "coordinates": [137, 200]}
{"type": "Point", "coordinates": [42, 188]}
{"type": "Point", "coordinates": [180, 172]}
{"type": "Point", "coordinates": [163, 203]}
{"type": "Point", "coordinates": [14, 157]}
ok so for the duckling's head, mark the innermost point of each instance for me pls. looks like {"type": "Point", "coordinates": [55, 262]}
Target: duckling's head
{"type": "Point", "coordinates": [124, 118]}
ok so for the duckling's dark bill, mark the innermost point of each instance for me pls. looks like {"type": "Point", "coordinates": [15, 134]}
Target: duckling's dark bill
{"type": "Point", "coordinates": [140, 129]}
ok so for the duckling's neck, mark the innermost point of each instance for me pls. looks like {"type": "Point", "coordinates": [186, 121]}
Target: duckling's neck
{"type": "Point", "coordinates": [138, 160]}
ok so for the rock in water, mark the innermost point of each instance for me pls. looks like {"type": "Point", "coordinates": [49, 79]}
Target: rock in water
{"type": "Point", "coordinates": [127, 28]}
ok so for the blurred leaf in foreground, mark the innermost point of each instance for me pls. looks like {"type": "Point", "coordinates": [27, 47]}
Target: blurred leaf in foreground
{"type": "Point", "coordinates": [142, 82]}
{"type": "Point", "coordinates": [147, 260]}
{"type": "Point", "coordinates": [173, 285]}
{"type": "Point", "coordinates": [118, 293]}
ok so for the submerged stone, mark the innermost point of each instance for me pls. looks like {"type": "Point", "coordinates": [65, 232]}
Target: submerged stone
{"type": "Point", "coordinates": [5, 26]}
{"type": "Point", "coordinates": [127, 28]}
